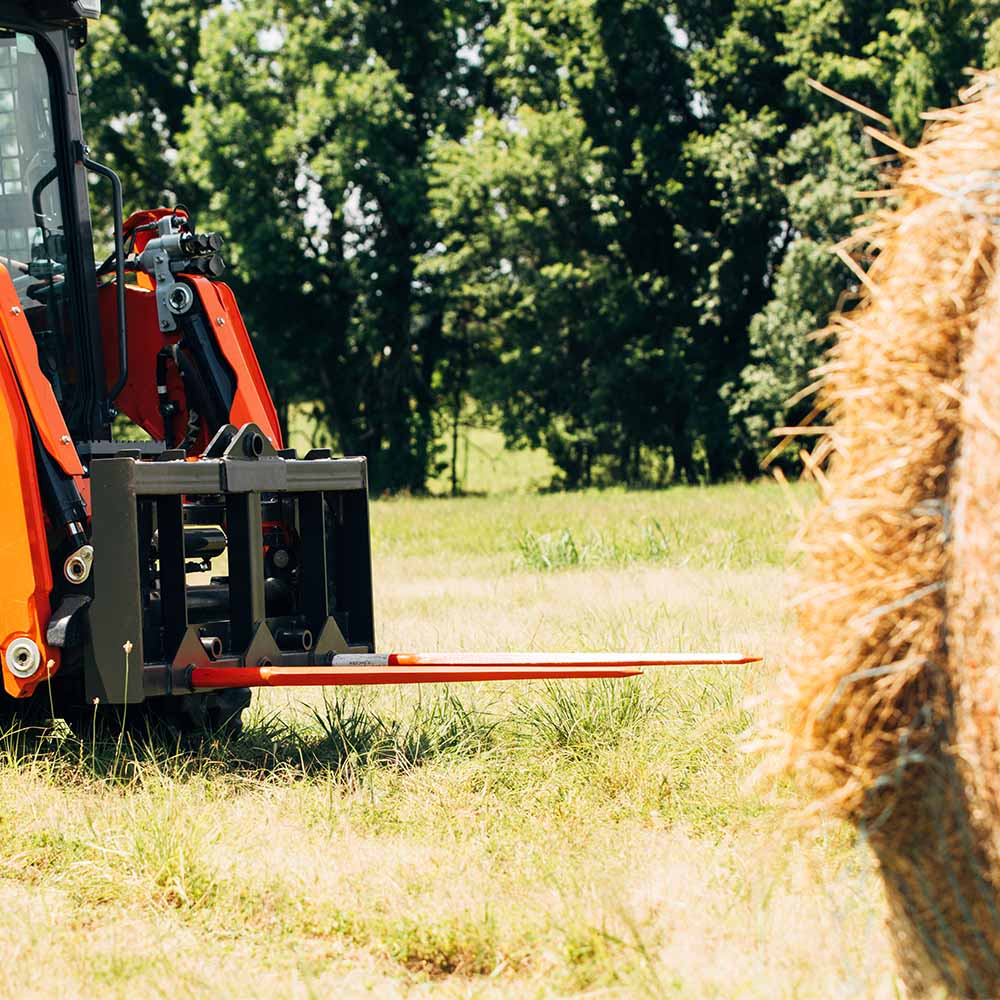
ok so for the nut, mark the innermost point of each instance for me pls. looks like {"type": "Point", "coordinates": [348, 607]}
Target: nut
{"type": "Point", "coordinates": [23, 657]}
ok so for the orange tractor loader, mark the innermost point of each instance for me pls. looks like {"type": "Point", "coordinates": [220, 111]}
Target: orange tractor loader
{"type": "Point", "coordinates": [108, 595]}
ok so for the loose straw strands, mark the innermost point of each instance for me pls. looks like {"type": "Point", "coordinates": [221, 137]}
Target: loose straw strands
{"type": "Point", "coordinates": [892, 707]}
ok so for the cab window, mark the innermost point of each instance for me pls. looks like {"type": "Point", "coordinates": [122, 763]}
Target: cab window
{"type": "Point", "coordinates": [33, 238]}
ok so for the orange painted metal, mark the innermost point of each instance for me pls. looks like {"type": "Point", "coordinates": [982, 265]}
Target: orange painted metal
{"type": "Point", "coordinates": [241, 338]}
{"type": "Point", "coordinates": [252, 402]}
{"type": "Point", "coordinates": [350, 669]}
{"type": "Point", "coordinates": [24, 553]}
{"type": "Point", "coordinates": [565, 659]}
{"type": "Point", "coordinates": [36, 388]}
{"type": "Point", "coordinates": [230, 677]}
{"type": "Point", "coordinates": [138, 399]}
{"type": "Point", "coordinates": [144, 217]}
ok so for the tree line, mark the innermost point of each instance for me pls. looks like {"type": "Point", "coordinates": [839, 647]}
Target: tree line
{"type": "Point", "coordinates": [603, 227]}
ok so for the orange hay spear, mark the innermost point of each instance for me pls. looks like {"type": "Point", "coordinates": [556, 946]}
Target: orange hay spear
{"type": "Point", "coordinates": [446, 668]}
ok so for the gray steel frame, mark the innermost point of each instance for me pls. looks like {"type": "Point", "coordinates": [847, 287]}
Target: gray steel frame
{"type": "Point", "coordinates": [240, 465]}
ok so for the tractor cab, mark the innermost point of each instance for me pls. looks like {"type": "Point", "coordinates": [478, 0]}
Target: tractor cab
{"type": "Point", "coordinates": [46, 245]}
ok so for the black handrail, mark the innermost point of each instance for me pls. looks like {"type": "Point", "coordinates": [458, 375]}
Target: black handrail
{"type": "Point", "coordinates": [119, 212]}
{"type": "Point", "coordinates": [36, 197]}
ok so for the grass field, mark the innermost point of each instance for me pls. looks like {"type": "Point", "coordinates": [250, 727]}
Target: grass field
{"type": "Point", "coordinates": [485, 464]}
{"type": "Point", "coordinates": [598, 840]}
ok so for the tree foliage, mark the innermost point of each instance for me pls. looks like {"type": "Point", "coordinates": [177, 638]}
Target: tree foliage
{"type": "Point", "coordinates": [603, 225]}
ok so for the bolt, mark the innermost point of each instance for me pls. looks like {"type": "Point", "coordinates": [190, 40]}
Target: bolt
{"type": "Point", "coordinates": [23, 657]}
{"type": "Point", "coordinates": [16, 311]}
{"type": "Point", "coordinates": [164, 325]}
{"type": "Point", "coordinates": [220, 321]}
{"type": "Point", "coordinates": [66, 439]}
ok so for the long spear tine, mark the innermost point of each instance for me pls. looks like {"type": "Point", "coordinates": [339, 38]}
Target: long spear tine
{"type": "Point", "coordinates": [353, 669]}
{"type": "Point", "coordinates": [355, 676]}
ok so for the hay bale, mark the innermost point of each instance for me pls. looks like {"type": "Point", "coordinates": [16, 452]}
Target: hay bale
{"type": "Point", "coordinates": [893, 703]}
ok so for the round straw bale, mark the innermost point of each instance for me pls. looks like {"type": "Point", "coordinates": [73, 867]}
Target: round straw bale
{"type": "Point", "coordinates": [892, 703]}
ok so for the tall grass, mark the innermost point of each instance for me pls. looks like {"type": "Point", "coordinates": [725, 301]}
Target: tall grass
{"type": "Point", "coordinates": [585, 719]}
{"type": "Point", "coordinates": [347, 732]}
{"type": "Point", "coordinates": [730, 527]}
{"type": "Point", "coordinates": [352, 734]}
{"type": "Point", "coordinates": [647, 541]}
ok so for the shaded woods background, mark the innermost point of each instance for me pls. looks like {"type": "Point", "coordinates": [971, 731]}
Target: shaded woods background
{"type": "Point", "coordinates": [602, 227]}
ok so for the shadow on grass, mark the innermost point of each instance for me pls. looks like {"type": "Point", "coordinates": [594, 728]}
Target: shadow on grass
{"type": "Point", "coordinates": [344, 736]}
